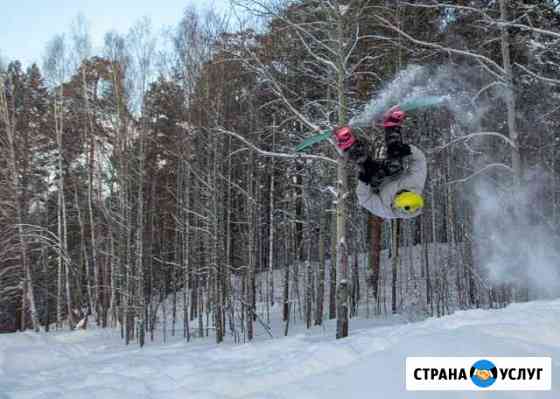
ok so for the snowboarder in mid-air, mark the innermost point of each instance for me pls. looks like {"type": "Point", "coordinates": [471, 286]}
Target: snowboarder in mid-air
{"type": "Point", "coordinates": [390, 188]}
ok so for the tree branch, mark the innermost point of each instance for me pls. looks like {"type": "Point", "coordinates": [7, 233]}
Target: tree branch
{"type": "Point", "coordinates": [477, 134]}
{"type": "Point", "coordinates": [535, 75]}
{"type": "Point", "coordinates": [493, 165]}
{"type": "Point", "coordinates": [480, 57]}
{"type": "Point", "coordinates": [275, 154]}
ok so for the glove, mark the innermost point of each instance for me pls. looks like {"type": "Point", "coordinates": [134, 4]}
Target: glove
{"type": "Point", "coordinates": [358, 153]}
{"type": "Point", "coordinates": [398, 150]}
{"type": "Point", "coordinates": [394, 117]}
{"type": "Point", "coordinates": [344, 138]}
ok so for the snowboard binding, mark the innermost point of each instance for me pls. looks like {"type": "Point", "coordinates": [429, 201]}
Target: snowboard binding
{"type": "Point", "coordinates": [371, 171]}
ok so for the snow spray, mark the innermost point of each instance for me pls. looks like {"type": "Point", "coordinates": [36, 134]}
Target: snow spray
{"type": "Point", "coordinates": [423, 86]}
{"type": "Point", "coordinates": [514, 240]}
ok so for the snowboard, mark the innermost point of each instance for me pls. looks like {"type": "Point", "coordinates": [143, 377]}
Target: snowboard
{"type": "Point", "coordinates": [407, 106]}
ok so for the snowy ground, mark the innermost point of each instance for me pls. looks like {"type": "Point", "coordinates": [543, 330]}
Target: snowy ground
{"type": "Point", "coordinates": [368, 364]}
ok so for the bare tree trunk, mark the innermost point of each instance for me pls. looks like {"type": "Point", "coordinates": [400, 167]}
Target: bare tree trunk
{"type": "Point", "coordinates": [308, 292]}
{"type": "Point", "coordinates": [217, 255]}
{"type": "Point", "coordinates": [395, 261]}
{"type": "Point", "coordinates": [140, 308]}
{"type": "Point", "coordinates": [342, 187]}
{"type": "Point", "coordinates": [435, 249]}
{"type": "Point", "coordinates": [355, 297]}
{"type": "Point", "coordinates": [92, 289]}
{"type": "Point", "coordinates": [270, 282]}
{"type": "Point", "coordinates": [186, 248]}
{"type": "Point", "coordinates": [286, 289]}
{"type": "Point", "coordinates": [512, 128]}
{"type": "Point", "coordinates": [450, 232]}
{"type": "Point", "coordinates": [114, 267]}
{"type": "Point", "coordinates": [62, 221]}
{"type": "Point", "coordinates": [123, 289]}
{"type": "Point", "coordinates": [510, 94]}
{"type": "Point", "coordinates": [271, 228]}
{"type": "Point", "coordinates": [342, 254]}
{"type": "Point", "coordinates": [374, 229]}
{"type": "Point", "coordinates": [252, 251]}
{"type": "Point", "coordinates": [83, 248]}
{"type": "Point", "coordinates": [333, 274]}
{"type": "Point", "coordinates": [473, 294]}
{"type": "Point", "coordinates": [228, 289]}
{"type": "Point", "coordinates": [322, 261]}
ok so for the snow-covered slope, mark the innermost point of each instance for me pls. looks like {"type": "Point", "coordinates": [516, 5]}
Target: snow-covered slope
{"type": "Point", "coordinates": [368, 364]}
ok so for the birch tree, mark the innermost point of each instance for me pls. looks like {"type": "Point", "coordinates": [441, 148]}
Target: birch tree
{"type": "Point", "coordinates": [56, 67]}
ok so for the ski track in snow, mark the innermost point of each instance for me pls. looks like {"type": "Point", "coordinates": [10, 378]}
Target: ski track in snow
{"type": "Point", "coordinates": [309, 365]}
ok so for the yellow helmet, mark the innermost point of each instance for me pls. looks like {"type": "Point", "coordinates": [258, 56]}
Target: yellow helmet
{"type": "Point", "coordinates": [408, 202]}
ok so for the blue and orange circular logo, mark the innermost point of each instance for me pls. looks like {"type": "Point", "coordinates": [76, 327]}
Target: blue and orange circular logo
{"type": "Point", "coordinates": [484, 373]}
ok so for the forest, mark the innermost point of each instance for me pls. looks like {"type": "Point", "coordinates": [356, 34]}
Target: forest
{"type": "Point", "coordinates": [159, 171]}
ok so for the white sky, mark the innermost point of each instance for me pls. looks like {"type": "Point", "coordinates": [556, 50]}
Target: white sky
{"type": "Point", "coordinates": [27, 25]}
